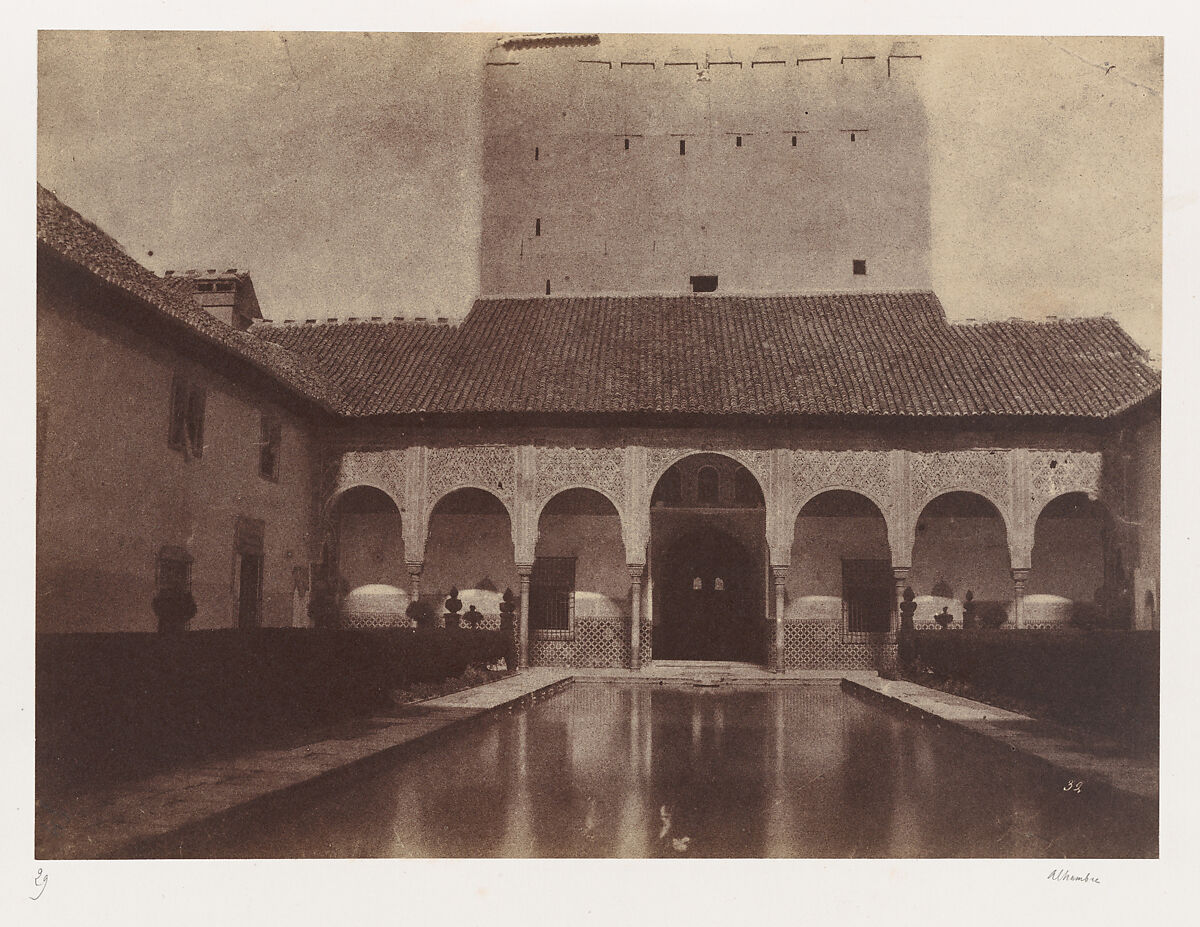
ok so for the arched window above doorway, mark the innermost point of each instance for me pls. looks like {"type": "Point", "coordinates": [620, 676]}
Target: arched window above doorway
{"type": "Point", "coordinates": [708, 486]}
{"type": "Point", "coordinates": [746, 491]}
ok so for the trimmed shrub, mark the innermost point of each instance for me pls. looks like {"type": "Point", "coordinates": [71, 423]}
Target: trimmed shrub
{"type": "Point", "coordinates": [122, 704]}
{"type": "Point", "coordinates": [1107, 680]}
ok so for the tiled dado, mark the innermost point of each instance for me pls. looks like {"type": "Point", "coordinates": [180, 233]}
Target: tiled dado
{"type": "Point", "coordinates": [820, 645]}
{"type": "Point", "coordinates": [597, 642]}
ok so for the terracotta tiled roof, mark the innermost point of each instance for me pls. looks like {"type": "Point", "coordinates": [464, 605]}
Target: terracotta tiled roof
{"type": "Point", "coordinates": [81, 242]}
{"type": "Point", "coordinates": [886, 354]}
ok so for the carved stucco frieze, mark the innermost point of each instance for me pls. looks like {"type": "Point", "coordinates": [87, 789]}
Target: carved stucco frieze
{"type": "Point", "coordinates": [559, 468]}
{"type": "Point", "coordinates": [1053, 473]}
{"type": "Point", "coordinates": [489, 467]}
{"type": "Point", "coordinates": [865, 472]}
{"type": "Point", "coordinates": [985, 472]}
{"type": "Point", "coordinates": [384, 470]}
{"type": "Point", "coordinates": [658, 459]}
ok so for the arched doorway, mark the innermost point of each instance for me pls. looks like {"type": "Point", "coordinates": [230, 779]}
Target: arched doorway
{"type": "Point", "coordinates": [708, 562]}
{"type": "Point", "coordinates": [365, 559]}
{"type": "Point", "coordinates": [1077, 574]}
{"type": "Point", "coordinates": [961, 546]}
{"type": "Point", "coordinates": [579, 570]}
{"type": "Point", "coordinates": [469, 547]}
{"type": "Point", "coordinates": [841, 563]}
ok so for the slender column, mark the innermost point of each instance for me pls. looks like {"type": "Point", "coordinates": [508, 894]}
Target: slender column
{"type": "Point", "coordinates": [899, 580]}
{"type": "Point", "coordinates": [524, 570]}
{"type": "Point", "coordinates": [636, 570]}
{"type": "Point", "coordinates": [779, 574]}
{"type": "Point", "coordinates": [1020, 576]}
{"type": "Point", "coordinates": [414, 578]}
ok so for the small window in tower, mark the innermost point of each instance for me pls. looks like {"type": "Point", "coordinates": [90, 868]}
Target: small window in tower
{"type": "Point", "coordinates": [704, 283]}
{"type": "Point", "coordinates": [626, 144]}
{"type": "Point", "coordinates": [793, 141]}
{"type": "Point", "coordinates": [851, 136]}
{"type": "Point", "coordinates": [682, 147]}
{"type": "Point", "coordinates": [860, 267]}
{"type": "Point", "coordinates": [536, 153]}
{"type": "Point", "coordinates": [537, 226]}
{"type": "Point", "coordinates": [547, 286]}
{"type": "Point", "coordinates": [739, 141]}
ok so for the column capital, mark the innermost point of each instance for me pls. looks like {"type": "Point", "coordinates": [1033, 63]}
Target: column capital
{"type": "Point", "coordinates": [1021, 574]}
{"type": "Point", "coordinates": [900, 573]}
{"type": "Point", "coordinates": [637, 571]}
{"type": "Point", "coordinates": [524, 569]}
{"type": "Point", "coordinates": [779, 573]}
{"type": "Point", "coordinates": [414, 567]}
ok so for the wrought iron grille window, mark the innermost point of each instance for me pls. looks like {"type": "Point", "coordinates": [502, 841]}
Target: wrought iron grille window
{"type": "Point", "coordinates": [552, 594]}
{"type": "Point", "coordinates": [867, 595]}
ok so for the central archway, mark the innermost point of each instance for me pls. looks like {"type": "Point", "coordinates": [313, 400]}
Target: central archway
{"type": "Point", "coordinates": [707, 560]}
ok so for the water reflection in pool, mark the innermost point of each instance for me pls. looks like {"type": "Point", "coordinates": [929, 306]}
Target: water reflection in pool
{"type": "Point", "coordinates": [637, 771]}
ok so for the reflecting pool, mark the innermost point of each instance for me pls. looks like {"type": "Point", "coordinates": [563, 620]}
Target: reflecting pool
{"type": "Point", "coordinates": [605, 770]}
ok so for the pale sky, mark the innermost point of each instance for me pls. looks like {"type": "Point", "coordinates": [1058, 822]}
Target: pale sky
{"type": "Point", "coordinates": [342, 169]}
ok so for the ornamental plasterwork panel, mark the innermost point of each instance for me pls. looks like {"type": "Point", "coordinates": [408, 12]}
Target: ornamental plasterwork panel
{"type": "Point", "coordinates": [658, 459]}
{"type": "Point", "coordinates": [1052, 473]}
{"type": "Point", "coordinates": [381, 469]}
{"type": "Point", "coordinates": [559, 468]}
{"type": "Point", "coordinates": [979, 471]}
{"type": "Point", "coordinates": [867, 472]}
{"type": "Point", "coordinates": [490, 467]}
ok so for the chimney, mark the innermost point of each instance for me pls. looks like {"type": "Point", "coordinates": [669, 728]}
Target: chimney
{"type": "Point", "coordinates": [227, 296]}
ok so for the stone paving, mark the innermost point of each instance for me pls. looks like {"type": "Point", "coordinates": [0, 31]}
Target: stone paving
{"type": "Point", "coordinates": [114, 822]}
{"type": "Point", "coordinates": [1076, 758]}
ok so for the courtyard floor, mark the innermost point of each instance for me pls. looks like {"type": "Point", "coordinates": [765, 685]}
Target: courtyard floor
{"type": "Point", "coordinates": [139, 818]}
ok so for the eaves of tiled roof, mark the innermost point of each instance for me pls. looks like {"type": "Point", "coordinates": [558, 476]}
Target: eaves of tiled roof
{"type": "Point", "coordinates": [875, 355]}
{"type": "Point", "coordinates": [80, 242]}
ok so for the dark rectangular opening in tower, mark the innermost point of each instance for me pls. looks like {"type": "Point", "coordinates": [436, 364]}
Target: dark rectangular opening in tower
{"type": "Point", "coordinates": [682, 147]}
{"type": "Point", "coordinates": [860, 266]}
{"type": "Point", "coordinates": [704, 283]}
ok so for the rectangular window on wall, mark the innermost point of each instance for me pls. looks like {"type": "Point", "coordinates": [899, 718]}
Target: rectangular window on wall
{"type": "Point", "coordinates": [552, 594]}
{"type": "Point", "coordinates": [186, 431]}
{"type": "Point", "coordinates": [269, 442]}
{"type": "Point", "coordinates": [173, 603]}
{"type": "Point", "coordinates": [248, 558]}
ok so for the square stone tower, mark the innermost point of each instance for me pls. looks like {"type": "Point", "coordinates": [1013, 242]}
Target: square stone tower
{"type": "Point", "coordinates": [690, 164]}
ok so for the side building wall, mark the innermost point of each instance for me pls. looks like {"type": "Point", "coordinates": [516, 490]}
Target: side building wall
{"type": "Point", "coordinates": [112, 493]}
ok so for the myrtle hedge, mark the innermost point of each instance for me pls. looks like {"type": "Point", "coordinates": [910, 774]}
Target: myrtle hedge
{"type": "Point", "coordinates": [1104, 679]}
{"type": "Point", "coordinates": [114, 705]}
